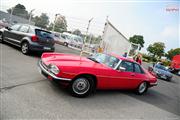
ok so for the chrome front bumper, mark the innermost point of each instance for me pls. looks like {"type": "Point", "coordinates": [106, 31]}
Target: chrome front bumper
{"type": "Point", "coordinates": [154, 84]}
{"type": "Point", "coordinates": [46, 71]}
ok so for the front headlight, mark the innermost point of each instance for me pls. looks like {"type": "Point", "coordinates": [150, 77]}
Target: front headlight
{"type": "Point", "coordinates": [54, 69]}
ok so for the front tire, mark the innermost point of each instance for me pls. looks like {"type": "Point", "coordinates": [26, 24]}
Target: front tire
{"type": "Point", "coordinates": [25, 48]}
{"type": "Point", "coordinates": [142, 88]}
{"type": "Point", "coordinates": [82, 86]}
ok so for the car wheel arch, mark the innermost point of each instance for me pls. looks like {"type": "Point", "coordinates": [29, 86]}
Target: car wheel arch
{"type": "Point", "coordinates": [94, 78]}
{"type": "Point", "coordinates": [24, 40]}
{"type": "Point", "coordinates": [148, 85]}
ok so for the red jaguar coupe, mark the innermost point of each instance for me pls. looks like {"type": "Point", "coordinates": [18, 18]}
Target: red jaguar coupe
{"type": "Point", "coordinates": [83, 75]}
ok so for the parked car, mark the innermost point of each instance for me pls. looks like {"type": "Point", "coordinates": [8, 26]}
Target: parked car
{"type": "Point", "coordinates": [76, 41]}
{"type": "Point", "coordinates": [175, 64]}
{"type": "Point", "coordinates": [61, 38]}
{"type": "Point", "coordinates": [65, 39]}
{"type": "Point", "coordinates": [83, 75]}
{"type": "Point", "coordinates": [162, 72]}
{"type": "Point", "coordinates": [3, 24]}
{"type": "Point", "coordinates": [28, 37]}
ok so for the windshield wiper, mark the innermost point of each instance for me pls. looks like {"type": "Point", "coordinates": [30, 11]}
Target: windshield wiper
{"type": "Point", "coordinates": [93, 59]}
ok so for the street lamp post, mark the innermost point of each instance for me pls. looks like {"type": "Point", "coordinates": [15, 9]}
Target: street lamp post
{"type": "Point", "coordinates": [85, 36]}
{"type": "Point", "coordinates": [30, 15]}
{"type": "Point", "coordinates": [10, 20]}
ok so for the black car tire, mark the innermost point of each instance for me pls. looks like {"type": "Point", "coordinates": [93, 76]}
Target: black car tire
{"type": "Point", "coordinates": [65, 44]}
{"type": "Point", "coordinates": [81, 86]}
{"type": "Point", "coordinates": [25, 48]}
{"type": "Point", "coordinates": [169, 79]}
{"type": "Point", "coordinates": [142, 88]}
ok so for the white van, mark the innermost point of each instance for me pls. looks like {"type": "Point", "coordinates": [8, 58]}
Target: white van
{"type": "Point", "coordinates": [73, 40]}
{"type": "Point", "coordinates": [66, 38]}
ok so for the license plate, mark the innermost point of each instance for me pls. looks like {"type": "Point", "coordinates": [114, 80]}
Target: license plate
{"type": "Point", "coordinates": [47, 48]}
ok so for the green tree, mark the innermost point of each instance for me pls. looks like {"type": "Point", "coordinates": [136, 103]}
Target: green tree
{"type": "Point", "coordinates": [172, 53]}
{"type": "Point", "coordinates": [19, 10]}
{"type": "Point", "coordinates": [42, 20]}
{"type": "Point", "coordinates": [137, 39]}
{"type": "Point", "coordinates": [77, 32]}
{"type": "Point", "coordinates": [156, 49]}
{"type": "Point", "coordinates": [60, 24]}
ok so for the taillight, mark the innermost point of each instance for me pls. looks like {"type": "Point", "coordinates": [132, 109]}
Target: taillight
{"type": "Point", "coordinates": [34, 38]}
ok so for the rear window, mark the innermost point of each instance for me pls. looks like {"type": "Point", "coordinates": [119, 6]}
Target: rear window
{"type": "Point", "coordinates": [44, 34]}
{"type": "Point", "coordinates": [138, 69]}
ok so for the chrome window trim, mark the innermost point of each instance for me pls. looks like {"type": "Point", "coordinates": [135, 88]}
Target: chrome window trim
{"type": "Point", "coordinates": [115, 68]}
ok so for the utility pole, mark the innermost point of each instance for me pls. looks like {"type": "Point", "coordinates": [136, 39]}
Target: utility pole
{"type": "Point", "coordinates": [85, 36]}
{"type": "Point", "coordinates": [55, 21]}
{"type": "Point", "coordinates": [30, 15]}
{"type": "Point", "coordinates": [10, 20]}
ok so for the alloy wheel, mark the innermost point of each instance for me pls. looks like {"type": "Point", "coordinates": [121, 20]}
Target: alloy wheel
{"type": "Point", "coordinates": [142, 87]}
{"type": "Point", "coordinates": [24, 48]}
{"type": "Point", "coordinates": [81, 86]}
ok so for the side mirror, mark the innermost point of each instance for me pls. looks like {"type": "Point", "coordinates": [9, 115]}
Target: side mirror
{"type": "Point", "coordinates": [122, 69]}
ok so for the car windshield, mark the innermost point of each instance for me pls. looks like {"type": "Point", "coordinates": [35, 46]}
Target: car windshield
{"type": "Point", "coordinates": [160, 67]}
{"type": "Point", "coordinates": [106, 59]}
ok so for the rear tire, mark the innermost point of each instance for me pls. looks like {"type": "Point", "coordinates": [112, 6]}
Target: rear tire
{"type": "Point", "coordinates": [142, 88]}
{"type": "Point", "coordinates": [81, 86]}
{"type": "Point", "coordinates": [25, 48]}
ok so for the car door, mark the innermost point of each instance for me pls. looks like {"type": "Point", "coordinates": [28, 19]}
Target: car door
{"type": "Point", "coordinates": [122, 79]}
{"type": "Point", "coordinates": [139, 75]}
{"type": "Point", "coordinates": [22, 32]}
{"type": "Point", "coordinates": [10, 35]}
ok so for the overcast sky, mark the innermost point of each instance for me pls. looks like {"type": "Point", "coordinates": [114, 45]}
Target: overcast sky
{"type": "Point", "coordinates": [150, 19]}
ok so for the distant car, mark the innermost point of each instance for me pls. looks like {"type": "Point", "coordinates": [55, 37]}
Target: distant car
{"type": "Point", "coordinates": [83, 75]}
{"type": "Point", "coordinates": [65, 39]}
{"type": "Point", "coordinates": [76, 41]}
{"type": "Point", "coordinates": [162, 72]}
{"type": "Point", "coordinates": [3, 24]}
{"type": "Point", "coordinates": [28, 38]}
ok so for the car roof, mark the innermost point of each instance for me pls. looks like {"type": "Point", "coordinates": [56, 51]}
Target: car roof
{"type": "Point", "coordinates": [123, 58]}
{"type": "Point", "coordinates": [33, 27]}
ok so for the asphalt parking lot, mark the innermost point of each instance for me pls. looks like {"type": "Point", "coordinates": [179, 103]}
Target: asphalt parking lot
{"type": "Point", "coordinates": [26, 94]}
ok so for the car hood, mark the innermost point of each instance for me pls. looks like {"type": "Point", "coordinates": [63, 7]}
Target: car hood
{"type": "Point", "coordinates": [68, 60]}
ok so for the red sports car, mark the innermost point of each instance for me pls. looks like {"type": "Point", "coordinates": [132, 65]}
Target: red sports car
{"type": "Point", "coordinates": [83, 75]}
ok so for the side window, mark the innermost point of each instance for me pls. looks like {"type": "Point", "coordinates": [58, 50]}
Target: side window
{"type": "Point", "coordinates": [138, 69]}
{"type": "Point", "coordinates": [112, 62]}
{"type": "Point", "coordinates": [15, 27]}
{"type": "Point", "coordinates": [24, 29]}
{"type": "Point", "coordinates": [127, 65]}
